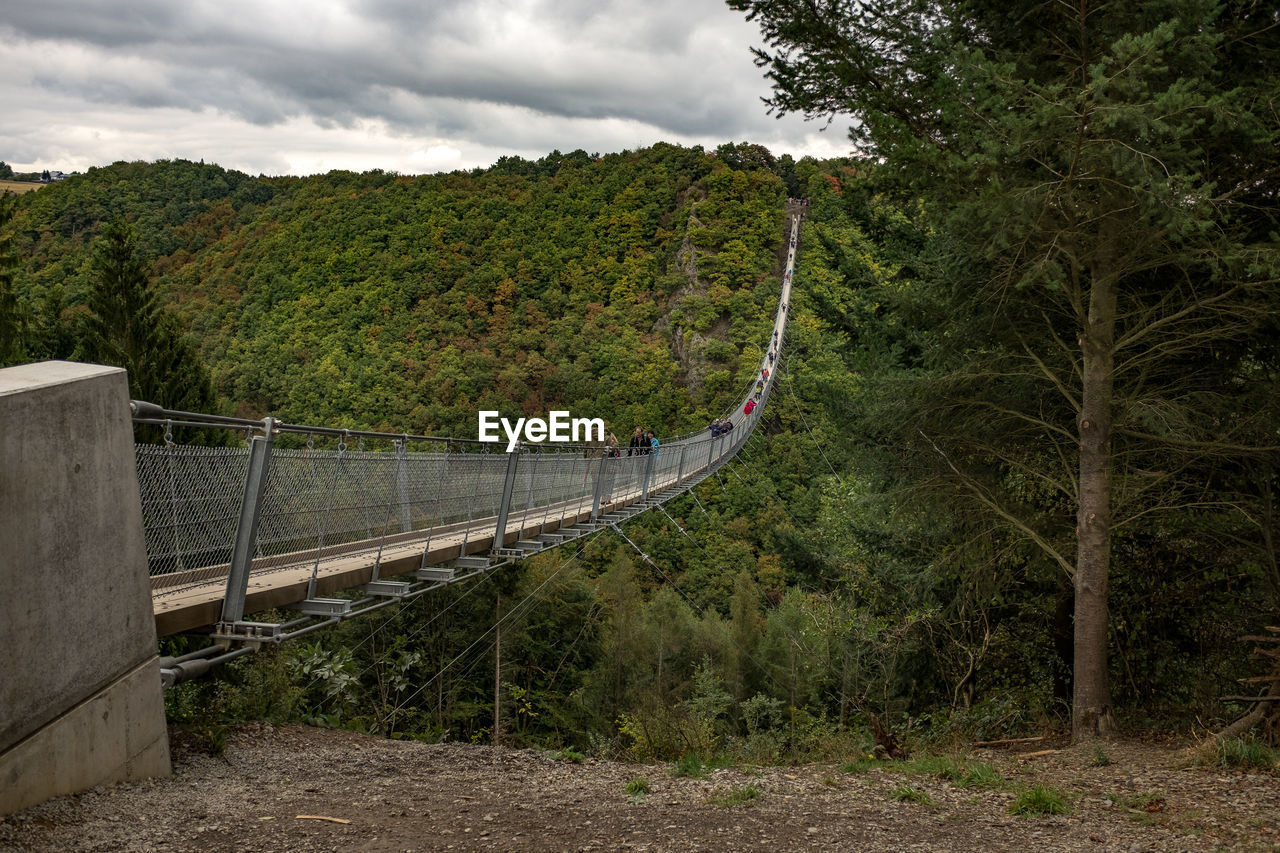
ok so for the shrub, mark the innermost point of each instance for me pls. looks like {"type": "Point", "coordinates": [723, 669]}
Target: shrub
{"type": "Point", "coordinates": [666, 732]}
{"type": "Point", "coordinates": [637, 788]}
{"type": "Point", "coordinates": [571, 755]}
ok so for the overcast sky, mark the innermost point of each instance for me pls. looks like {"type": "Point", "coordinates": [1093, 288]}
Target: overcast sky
{"type": "Point", "coordinates": [413, 86]}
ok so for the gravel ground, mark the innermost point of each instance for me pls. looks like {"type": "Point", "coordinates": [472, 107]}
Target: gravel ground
{"type": "Point", "coordinates": [367, 794]}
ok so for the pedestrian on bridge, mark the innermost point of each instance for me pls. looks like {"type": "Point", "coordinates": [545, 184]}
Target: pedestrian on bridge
{"type": "Point", "coordinates": [637, 439]}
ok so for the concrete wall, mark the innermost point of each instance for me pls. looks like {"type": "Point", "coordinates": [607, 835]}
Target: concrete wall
{"type": "Point", "coordinates": [80, 694]}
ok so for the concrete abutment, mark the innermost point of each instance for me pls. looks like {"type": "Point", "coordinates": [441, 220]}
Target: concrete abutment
{"type": "Point", "coordinates": [80, 695]}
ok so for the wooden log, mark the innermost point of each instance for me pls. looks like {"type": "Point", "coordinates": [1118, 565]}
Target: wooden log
{"type": "Point", "coordinates": [1259, 638]}
{"type": "Point", "coordinates": [1250, 698]}
{"type": "Point", "coordinates": [1009, 741]}
{"type": "Point", "coordinates": [1260, 679]}
{"type": "Point", "coordinates": [1024, 756]}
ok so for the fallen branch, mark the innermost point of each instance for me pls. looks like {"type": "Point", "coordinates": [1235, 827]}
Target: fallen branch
{"type": "Point", "coordinates": [1024, 756]}
{"type": "Point", "coordinates": [1009, 741]}
{"type": "Point", "coordinates": [321, 817]}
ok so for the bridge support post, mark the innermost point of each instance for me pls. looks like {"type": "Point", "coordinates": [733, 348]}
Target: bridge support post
{"type": "Point", "coordinates": [80, 695]}
{"type": "Point", "coordinates": [402, 486]}
{"type": "Point", "coordinates": [600, 475]}
{"type": "Point", "coordinates": [648, 470]}
{"type": "Point", "coordinates": [247, 528]}
{"type": "Point", "coordinates": [504, 508]}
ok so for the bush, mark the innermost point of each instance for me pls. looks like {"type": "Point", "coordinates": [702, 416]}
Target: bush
{"type": "Point", "coordinates": [666, 733]}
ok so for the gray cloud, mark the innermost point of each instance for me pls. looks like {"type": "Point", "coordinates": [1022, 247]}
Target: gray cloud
{"type": "Point", "coordinates": [483, 75]}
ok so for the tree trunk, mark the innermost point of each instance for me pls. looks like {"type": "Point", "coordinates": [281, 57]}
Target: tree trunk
{"type": "Point", "coordinates": [1091, 713]}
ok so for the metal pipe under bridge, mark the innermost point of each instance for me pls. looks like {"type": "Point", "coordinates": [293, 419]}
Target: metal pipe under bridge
{"type": "Point", "coordinates": [235, 531]}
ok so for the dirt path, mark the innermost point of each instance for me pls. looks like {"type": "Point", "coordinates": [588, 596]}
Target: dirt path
{"type": "Point", "coordinates": [398, 796]}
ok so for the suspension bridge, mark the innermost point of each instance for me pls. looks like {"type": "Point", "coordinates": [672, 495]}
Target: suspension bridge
{"type": "Point", "coordinates": [321, 523]}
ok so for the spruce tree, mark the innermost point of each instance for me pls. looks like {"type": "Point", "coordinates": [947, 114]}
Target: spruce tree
{"type": "Point", "coordinates": [13, 321]}
{"type": "Point", "coordinates": [1101, 183]}
{"type": "Point", "coordinates": [127, 326]}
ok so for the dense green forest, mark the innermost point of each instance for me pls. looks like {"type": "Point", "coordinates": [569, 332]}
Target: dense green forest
{"type": "Point", "coordinates": [881, 557]}
{"type": "Point", "coordinates": [627, 285]}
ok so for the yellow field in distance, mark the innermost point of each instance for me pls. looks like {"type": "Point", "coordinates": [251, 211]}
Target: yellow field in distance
{"type": "Point", "coordinates": [19, 187]}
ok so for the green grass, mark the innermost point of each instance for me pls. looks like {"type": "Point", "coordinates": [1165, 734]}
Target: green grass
{"type": "Point", "coordinates": [689, 766]}
{"type": "Point", "coordinates": [1245, 754]}
{"type": "Point", "coordinates": [1039, 799]}
{"type": "Point", "coordinates": [861, 765]}
{"type": "Point", "coordinates": [1152, 801]}
{"type": "Point", "coordinates": [939, 766]}
{"type": "Point", "coordinates": [1100, 757]}
{"type": "Point", "coordinates": [637, 788]}
{"type": "Point", "coordinates": [570, 754]}
{"type": "Point", "coordinates": [960, 773]}
{"type": "Point", "coordinates": [908, 793]}
{"type": "Point", "coordinates": [981, 775]}
{"type": "Point", "coordinates": [1142, 808]}
{"type": "Point", "coordinates": [736, 796]}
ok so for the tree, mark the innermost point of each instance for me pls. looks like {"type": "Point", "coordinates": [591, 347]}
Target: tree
{"type": "Point", "coordinates": [126, 326]}
{"type": "Point", "coordinates": [1101, 181]}
{"type": "Point", "coordinates": [13, 321]}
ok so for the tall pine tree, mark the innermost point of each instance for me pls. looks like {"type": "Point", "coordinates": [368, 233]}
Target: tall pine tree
{"type": "Point", "coordinates": [13, 321]}
{"type": "Point", "coordinates": [1101, 182]}
{"type": "Point", "coordinates": [127, 326]}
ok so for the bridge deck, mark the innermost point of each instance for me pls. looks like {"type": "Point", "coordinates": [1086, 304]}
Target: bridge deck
{"type": "Point", "coordinates": [192, 600]}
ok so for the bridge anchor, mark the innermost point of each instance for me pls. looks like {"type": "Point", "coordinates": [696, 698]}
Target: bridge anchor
{"type": "Point", "coordinates": [255, 633]}
{"type": "Point", "coordinates": [323, 606]}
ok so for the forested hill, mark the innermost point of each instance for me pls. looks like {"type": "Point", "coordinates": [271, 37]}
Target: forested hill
{"type": "Point", "coordinates": [894, 550]}
{"type": "Point", "coordinates": [633, 286]}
